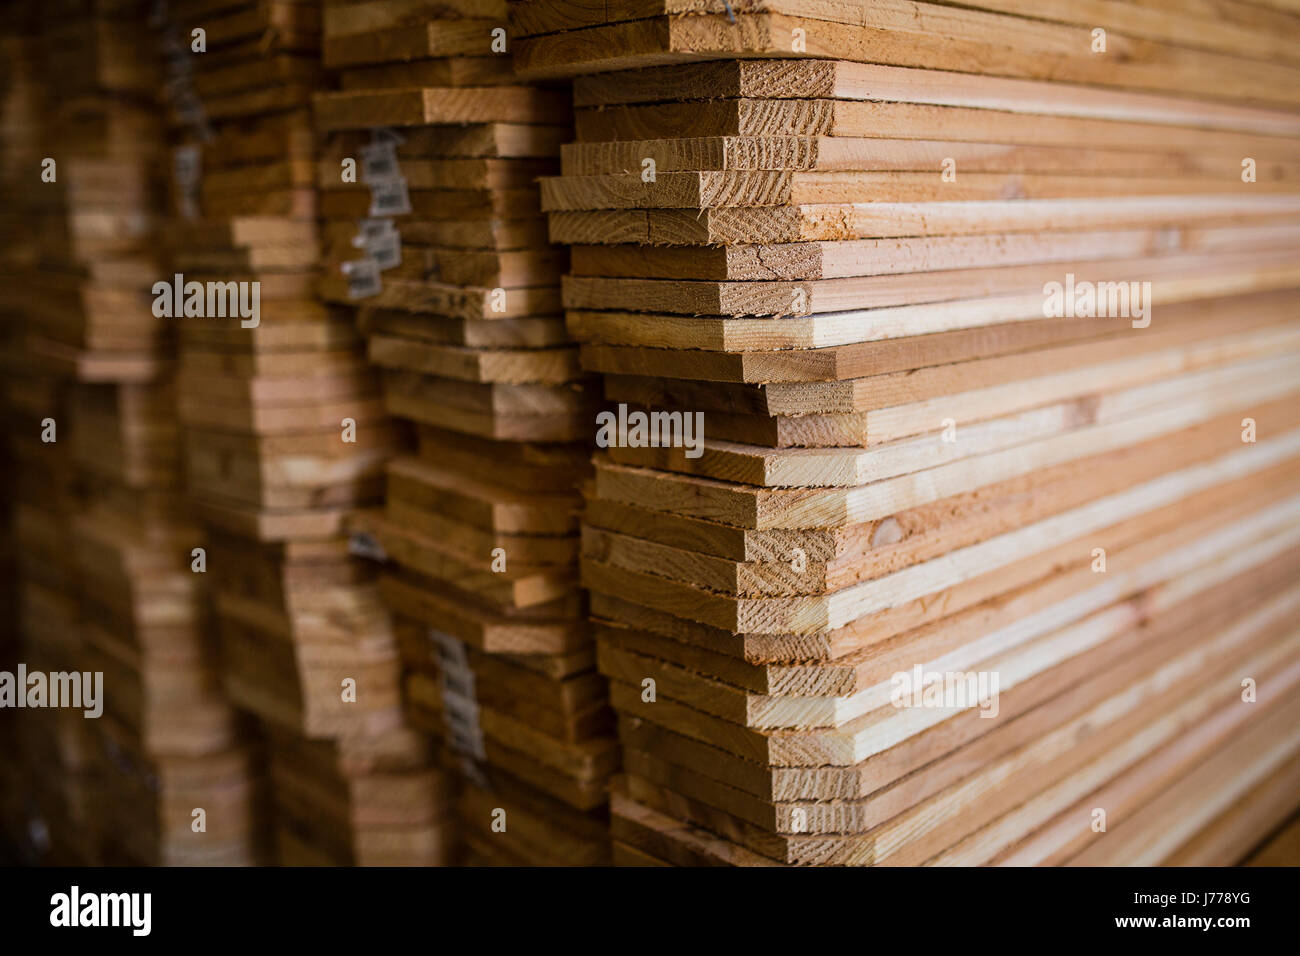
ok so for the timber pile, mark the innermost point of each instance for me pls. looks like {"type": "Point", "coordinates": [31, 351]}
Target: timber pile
{"type": "Point", "coordinates": [910, 471]}
{"type": "Point", "coordinates": [170, 740]}
{"type": "Point", "coordinates": [20, 94]}
{"type": "Point", "coordinates": [369, 800]}
{"type": "Point", "coordinates": [439, 243]}
{"type": "Point", "coordinates": [924, 572]}
{"type": "Point", "coordinates": [285, 437]}
{"type": "Point", "coordinates": [107, 587]}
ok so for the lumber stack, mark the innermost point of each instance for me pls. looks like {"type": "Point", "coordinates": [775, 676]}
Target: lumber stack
{"type": "Point", "coordinates": [285, 436]}
{"type": "Point", "coordinates": [107, 588]}
{"type": "Point", "coordinates": [956, 566]}
{"type": "Point", "coordinates": [57, 747]}
{"type": "Point", "coordinates": [434, 234]}
{"type": "Point", "coordinates": [942, 364]}
{"type": "Point", "coordinates": [20, 94]}
{"type": "Point", "coordinates": [168, 743]}
{"type": "Point", "coordinates": [368, 800]}
{"type": "Point", "coordinates": [171, 743]}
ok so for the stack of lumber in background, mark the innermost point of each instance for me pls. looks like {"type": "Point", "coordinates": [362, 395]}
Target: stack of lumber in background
{"type": "Point", "coordinates": [31, 507]}
{"type": "Point", "coordinates": [284, 437]}
{"type": "Point", "coordinates": [104, 528]}
{"type": "Point", "coordinates": [909, 469]}
{"type": "Point", "coordinates": [439, 243]}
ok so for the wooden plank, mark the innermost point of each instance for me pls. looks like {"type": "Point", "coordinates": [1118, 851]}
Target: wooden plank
{"type": "Point", "coordinates": [891, 34]}
{"type": "Point", "coordinates": [410, 41]}
{"type": "Point", "coordinates": [369, 109]}
{"type": "Point", "coordinates": [1174, 278]}
{"type": "Point", "coordinates": [890, 220]}
{"type": "Point", "coordinates": [697, 190]}
{"type": "Point", "coordinates": [826, 260]}
{"type": "Point", "coordinates": [842, 362]}
{"type": "Point", "coordinates": [853, 119]}
{"type": "Point", "coordinates": [791, 508]}
{"type": "Point", "coordinates": [875, 82]}
{"type": "Point", "coordinates": [770, 152]}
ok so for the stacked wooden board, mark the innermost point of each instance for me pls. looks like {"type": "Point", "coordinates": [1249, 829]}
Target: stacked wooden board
{"type": "Point", "coordinates": [284, 438]}
{"type": "Point", "coordinates": [175, 783]}
{"type": "Point", "coordinates": [171, 742]}
{"type": "Point", "coordinates": [935, 566]}
{"type": "Point", "coordinates": [108, 592]}
{"type": "Point", "coordinates": [365, 799]}
{"type": "Point", "coordinates": [433, 233]}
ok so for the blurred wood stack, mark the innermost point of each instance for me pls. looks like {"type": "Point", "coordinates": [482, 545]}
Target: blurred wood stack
{"type": "Point", "coordinates": [369, 799]}
{"type": "Point", "coordinates": [438, 241]}
{"type": "Point", "coordinates": [285, 436]}
{"type": "Point", "coordinates": [19, 127]}
{"type": "Point", "coordinates": [34, 474]}
{"type": "Point", "coordinates": [919, 477]}
{"type": "Point", "coordinates": [108, 590]}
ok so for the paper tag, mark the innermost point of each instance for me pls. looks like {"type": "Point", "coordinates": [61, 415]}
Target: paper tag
{"type": "Point", "coordinates": [38, 834]}
{"type": "Point", "coordinates": [363, 277]}
{"type": "Point", "coordinates": [379, 162]}
{"type": "Point", "coordinates": [389, 198]}
{"type": "Point", "coordinates": [188, 107]}
{"type": "Point", "coordinates": [187, 161]}
{"type": "Point", "coordinates": [174, 49]}
{"type": "Point", "coordinates": [371, 229]}
{"type": "Point", "coordinates": [450, 649]}
{"type": "Point", "coordinates": [464, 733]}
{"type": "Point", "coordinates": [384, 134]}
{"type": "Point", "coordinates": [470, 748]}
{"type": "Point", "coordinates": [365, 545]}
{"type": "Point", "coordinates": [459, 681]}
{"type": "Point", "coordinates": [387, 250]}
{"type": "Point", "coordinates": [380, 238]}
{"type": "Point", "coordinates": [467, 740]}
{"type": "Point", "coordinates": [187, 166]}
{"type": "Point", "coordinates": [462, 711]}
{"type": "Point", "coordinates": [178, 78]}
{"type": "Point", "coordinates": [474, 772]}
{"type": "Point", "coordinates": [459, 699]}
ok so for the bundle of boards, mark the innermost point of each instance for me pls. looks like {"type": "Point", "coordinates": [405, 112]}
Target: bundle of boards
{"type": "Point", "coordinates": [285, 436]}
{"type": "Point", "coordinates": [20, 101]}
{"type": "Point", "coordinates": [49, 762]}
{"type": "Point", "coordinates": [941, 362]}
{"type": "Point", "coordinates": [433, 233]}
{"type": "Point", "coordinates": [107, 589]}
{"type": "Point", "coordinates": [987, 550]}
